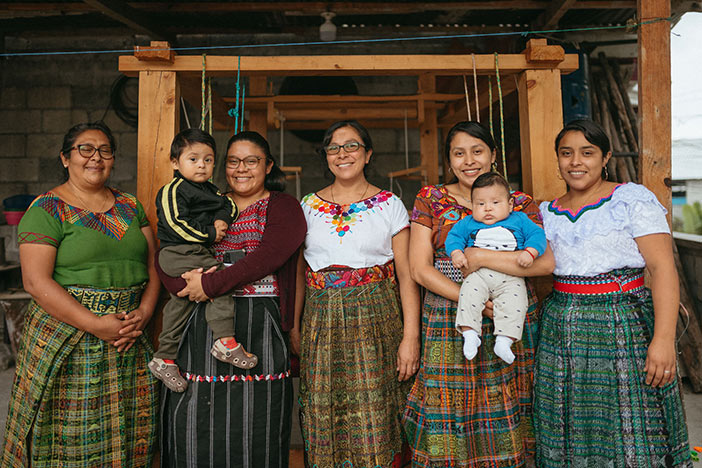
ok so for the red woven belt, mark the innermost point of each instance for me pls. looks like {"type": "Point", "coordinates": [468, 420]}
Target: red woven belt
{"type": "Point", "coordinates": [598, 288]}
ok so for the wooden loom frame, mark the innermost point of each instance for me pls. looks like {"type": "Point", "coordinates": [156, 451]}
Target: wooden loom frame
{"type": "Point", "coordinates": [164, 75]}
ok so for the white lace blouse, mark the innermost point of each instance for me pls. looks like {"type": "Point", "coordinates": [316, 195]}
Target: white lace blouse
{"type": "Point", "coordinates": [600, 237]}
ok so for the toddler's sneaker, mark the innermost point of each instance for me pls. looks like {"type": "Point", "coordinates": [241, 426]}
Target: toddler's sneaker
{"type": "Point", "coordinates": [236, 356]}
{"type": "Point", "coordinates": [169, 374]}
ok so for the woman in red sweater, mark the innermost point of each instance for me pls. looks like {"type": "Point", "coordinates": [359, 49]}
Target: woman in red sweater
{"type": "Point", "coordinates": [229, 416]}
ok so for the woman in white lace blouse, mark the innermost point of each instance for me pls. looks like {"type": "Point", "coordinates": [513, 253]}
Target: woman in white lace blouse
{"type": "Point", "coordinates": [605, 389]}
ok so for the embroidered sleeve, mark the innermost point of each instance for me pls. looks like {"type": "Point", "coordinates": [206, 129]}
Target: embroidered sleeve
{"type": "Point", "coordinates": [525, 204]}
{"type": "Point", "coordinates": [141, 215]}
{"type": "Point", "coordinates": [421, 212]}
{"type": "Point", "coordinates": [39, 227]}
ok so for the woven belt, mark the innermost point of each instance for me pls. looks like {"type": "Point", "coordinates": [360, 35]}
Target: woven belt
{"type": "Point", "coordinates": [599, 287]}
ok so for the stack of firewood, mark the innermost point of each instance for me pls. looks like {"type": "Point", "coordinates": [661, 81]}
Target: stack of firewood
{"type": "Point", "coordinates": [612, 109]}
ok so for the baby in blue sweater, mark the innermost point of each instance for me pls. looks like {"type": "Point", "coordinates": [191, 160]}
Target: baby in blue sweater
{"type": "Point", "coordinates": [493, 225]}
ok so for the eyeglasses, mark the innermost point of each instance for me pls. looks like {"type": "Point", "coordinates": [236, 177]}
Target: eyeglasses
{"type": "Point", "coordinates": [87, 151]}
{"type": "Point", "coordinates": [350, 147]}
{"type": "Point", "coordinates": [250, 162]}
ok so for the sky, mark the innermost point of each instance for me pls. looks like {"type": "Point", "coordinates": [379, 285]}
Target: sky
{"type": "Point", "coordinates": [686, 71]}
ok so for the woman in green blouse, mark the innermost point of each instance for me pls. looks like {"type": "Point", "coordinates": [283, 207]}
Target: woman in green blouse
{"type": "Point", "coordinates": [82, 394]}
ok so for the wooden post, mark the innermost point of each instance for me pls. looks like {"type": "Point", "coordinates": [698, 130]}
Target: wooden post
{"type": "Point", "coordinates": [540, 120]}
{"type": "Point", "coordinates": [257, 117]}
{"type": "Point", "coordinates": [159, 121]}
{"type": "Point", "coordinates": [654, 100]}
{"type": "Point", "coordinates": [428, 132]}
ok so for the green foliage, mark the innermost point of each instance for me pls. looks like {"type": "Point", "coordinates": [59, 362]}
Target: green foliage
{"type": "Point", "coordinates": [692, 218]}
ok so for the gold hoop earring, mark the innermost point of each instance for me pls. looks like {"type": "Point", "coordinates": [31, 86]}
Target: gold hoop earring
{"type": "Point", "coordinates": [606, 172]}
{"type": "Point", "coordinates": [493, 167]}
{"type": "Point", "coordinates": [558, 174]}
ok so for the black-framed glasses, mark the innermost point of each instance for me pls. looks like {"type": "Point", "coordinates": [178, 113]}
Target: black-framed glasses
{"type": "Point", "coordinates": [250, 162]}
{"type": "Point", "coordinates": [87, 151]}
{"type": "Point", "coordinates": [350, 147]}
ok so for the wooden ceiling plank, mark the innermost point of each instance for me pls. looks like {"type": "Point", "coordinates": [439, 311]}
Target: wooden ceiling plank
{"type": "Point", "coordinates": [122, 12]}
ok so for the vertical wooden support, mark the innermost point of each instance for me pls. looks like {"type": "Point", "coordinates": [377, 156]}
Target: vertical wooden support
{"type": "Point", "coordinates": [159, 121]}
{"type": "Point", "coordinates": [654, 100]}
{"type": "Point", "coordinates": [258, 121]}
{"type": "Point", "coordinates": [428, 133]}
{"type": "Point", "coordinates": [540, 120]}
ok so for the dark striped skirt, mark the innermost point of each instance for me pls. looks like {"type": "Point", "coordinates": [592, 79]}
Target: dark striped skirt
{"type": "Point", "coordinates": [77, 402]}
{"type": "Point", "coordinates": [474, 413]}
{"type": "Point", "coordinates": [229, 417]}
{"type": "Point", "coordinates": [592, 407]}
{"type": "Point", "coordinates": [349, 394]}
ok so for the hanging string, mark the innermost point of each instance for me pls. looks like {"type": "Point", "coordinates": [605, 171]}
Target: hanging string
{"type": "Point", "coordinates": [502, 117]}
{"type": "Point", "coordinates": [465, 89]}
{"type": "Point", "coordinates": [492, 133]}
{"type": "Point", "coordinates": [243, 100]}
{"type": "Point", "coordinates": [209, 103]}
{"type": "Point", "coordinates": [234, 111]}
{"type": "Point", "coordinates": [202, 89]}
{"type": "Point", "coordinates": [475, 87]}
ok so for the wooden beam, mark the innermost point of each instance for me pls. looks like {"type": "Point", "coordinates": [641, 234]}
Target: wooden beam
{"type": "Point", "coordinates": [428, 132]}
{"type": "Point", "coordinates": [553, 14]}
{"type": "Point", "coordinates": [345, 98]}
{"type": "Point", "coordinates": [120, 11]}
{"type": "Point", "coordinates": [540, 120]}
{"type": "Point", "coordinates": [258, 88]}
{"type": "Point", "coordinates": [159, 104]}
{"type": "Point", "coordinates": [654, 101]}
{"type": "Point", "coordinates": [325, 65]}
{"type": "Point", "coordinates": [313, 8]}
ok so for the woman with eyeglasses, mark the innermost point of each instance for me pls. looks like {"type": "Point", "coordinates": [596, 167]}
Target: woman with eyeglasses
{"type": "Point", "coordinates": [82, 395]}
{"type": "Point", "coordinates": [359, 343]}
{"type": "Point", "coordinates": [229, 416]}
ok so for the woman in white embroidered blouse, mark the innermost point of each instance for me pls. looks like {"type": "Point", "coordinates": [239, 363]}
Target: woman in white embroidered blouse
{"type": "Point", "coordinates": [359, 344]}
{"type": "Point", "coordinates": [605, 391]}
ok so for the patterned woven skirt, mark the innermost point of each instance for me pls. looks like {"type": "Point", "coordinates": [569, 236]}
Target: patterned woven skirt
{"type": "Point", "coordinates": [349, 393]}
{"type": "Point", "coordinates": [474, 413]}
{"type": "Point", "coordinates": [229, 417]}
{"type": "Point", "coordinates": [76, 401]}
{"type": "Point", "coordinates": [592, 407]}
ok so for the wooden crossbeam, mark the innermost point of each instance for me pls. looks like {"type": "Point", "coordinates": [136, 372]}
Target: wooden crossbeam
{"type": "Point", "coordinates": [313, 8]}
{"type": "Point", "coordinates": [325, 65]}
{"type": "Point", "coordinates": [553, 14]}
{"type": "Point", "coordinates": [125, 14]}
{"type": "Point", "coordinates": [347, 99]}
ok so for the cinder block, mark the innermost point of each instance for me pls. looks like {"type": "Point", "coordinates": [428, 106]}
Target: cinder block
{"type": "Point", "coordinates": [13, 98]}
{"type": "Point", "coordinates": [51, 171]}
{"type": "Point", "coordinates": [20, 170]}
{"type": "Point", "coordinates": [90, 97]}
{"type": "Point", "coordinates": [44, 145]}
{"type": "Point", "coordinates": [127, 146]}
{"type": "Point", "coordinates": [77, 116]}
{"type": "Point", "coordinates": [8, 189]}
{"type": "Point", "coordinates": [55, 121]}
{"type": "Point", "coordinates": [20, 121]}
{"type": "Point", "coordinates": [13, 146]}
{"type": "Point", "coordinates": [58, 97]}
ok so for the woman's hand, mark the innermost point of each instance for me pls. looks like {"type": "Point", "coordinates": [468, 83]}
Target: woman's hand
{"type": "Point", "coordinates": [660, 363]}
{"type": "Point", "coordinates": [487, 311]}
{"type": "Point", "coordinates": [193, 290]}
{"type": "Point", "coordinates": [407, 358]}
{"type": "Point", "coordinates": [107, 327]}
{"type": "Point", "coordinates": [133, 325]}
{"type": "Point", "coordinates": [473, 257]}
{"type": "Point", "coordinates": [294, 336]}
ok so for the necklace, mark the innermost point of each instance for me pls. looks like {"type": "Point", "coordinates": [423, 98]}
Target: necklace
{"type": "Point", "coordinates": [85, 205]}
{"type": "Point", "coordinates": [331, 192]}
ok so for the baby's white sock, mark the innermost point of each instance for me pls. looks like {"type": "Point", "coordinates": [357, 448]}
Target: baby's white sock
{"type": "Point", "coordinates": [502, 348]}
{"type": "Point", "coordinates": [471, 343]}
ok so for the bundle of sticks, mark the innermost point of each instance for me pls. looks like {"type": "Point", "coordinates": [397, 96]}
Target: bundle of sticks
{"type": "Point", "coordinates": [612, 109]}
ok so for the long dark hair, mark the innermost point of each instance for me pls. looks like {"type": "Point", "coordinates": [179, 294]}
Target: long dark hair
{"type": "Point", "coordinates": [592, 132]}
{"type": "Point", "coordinates": [275, 180]}
{"type": "Point", "coordinates": [360, 129]}
{"type": "Point", "coordinates": [69, 139]}
{"type": "Point", "coordinates": [472, 128]}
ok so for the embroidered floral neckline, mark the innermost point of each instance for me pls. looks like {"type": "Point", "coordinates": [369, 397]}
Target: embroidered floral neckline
{"type": "Point", "coordinates": [556, 209]}
{"type": "Point", "coordinates": [344, 217]}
